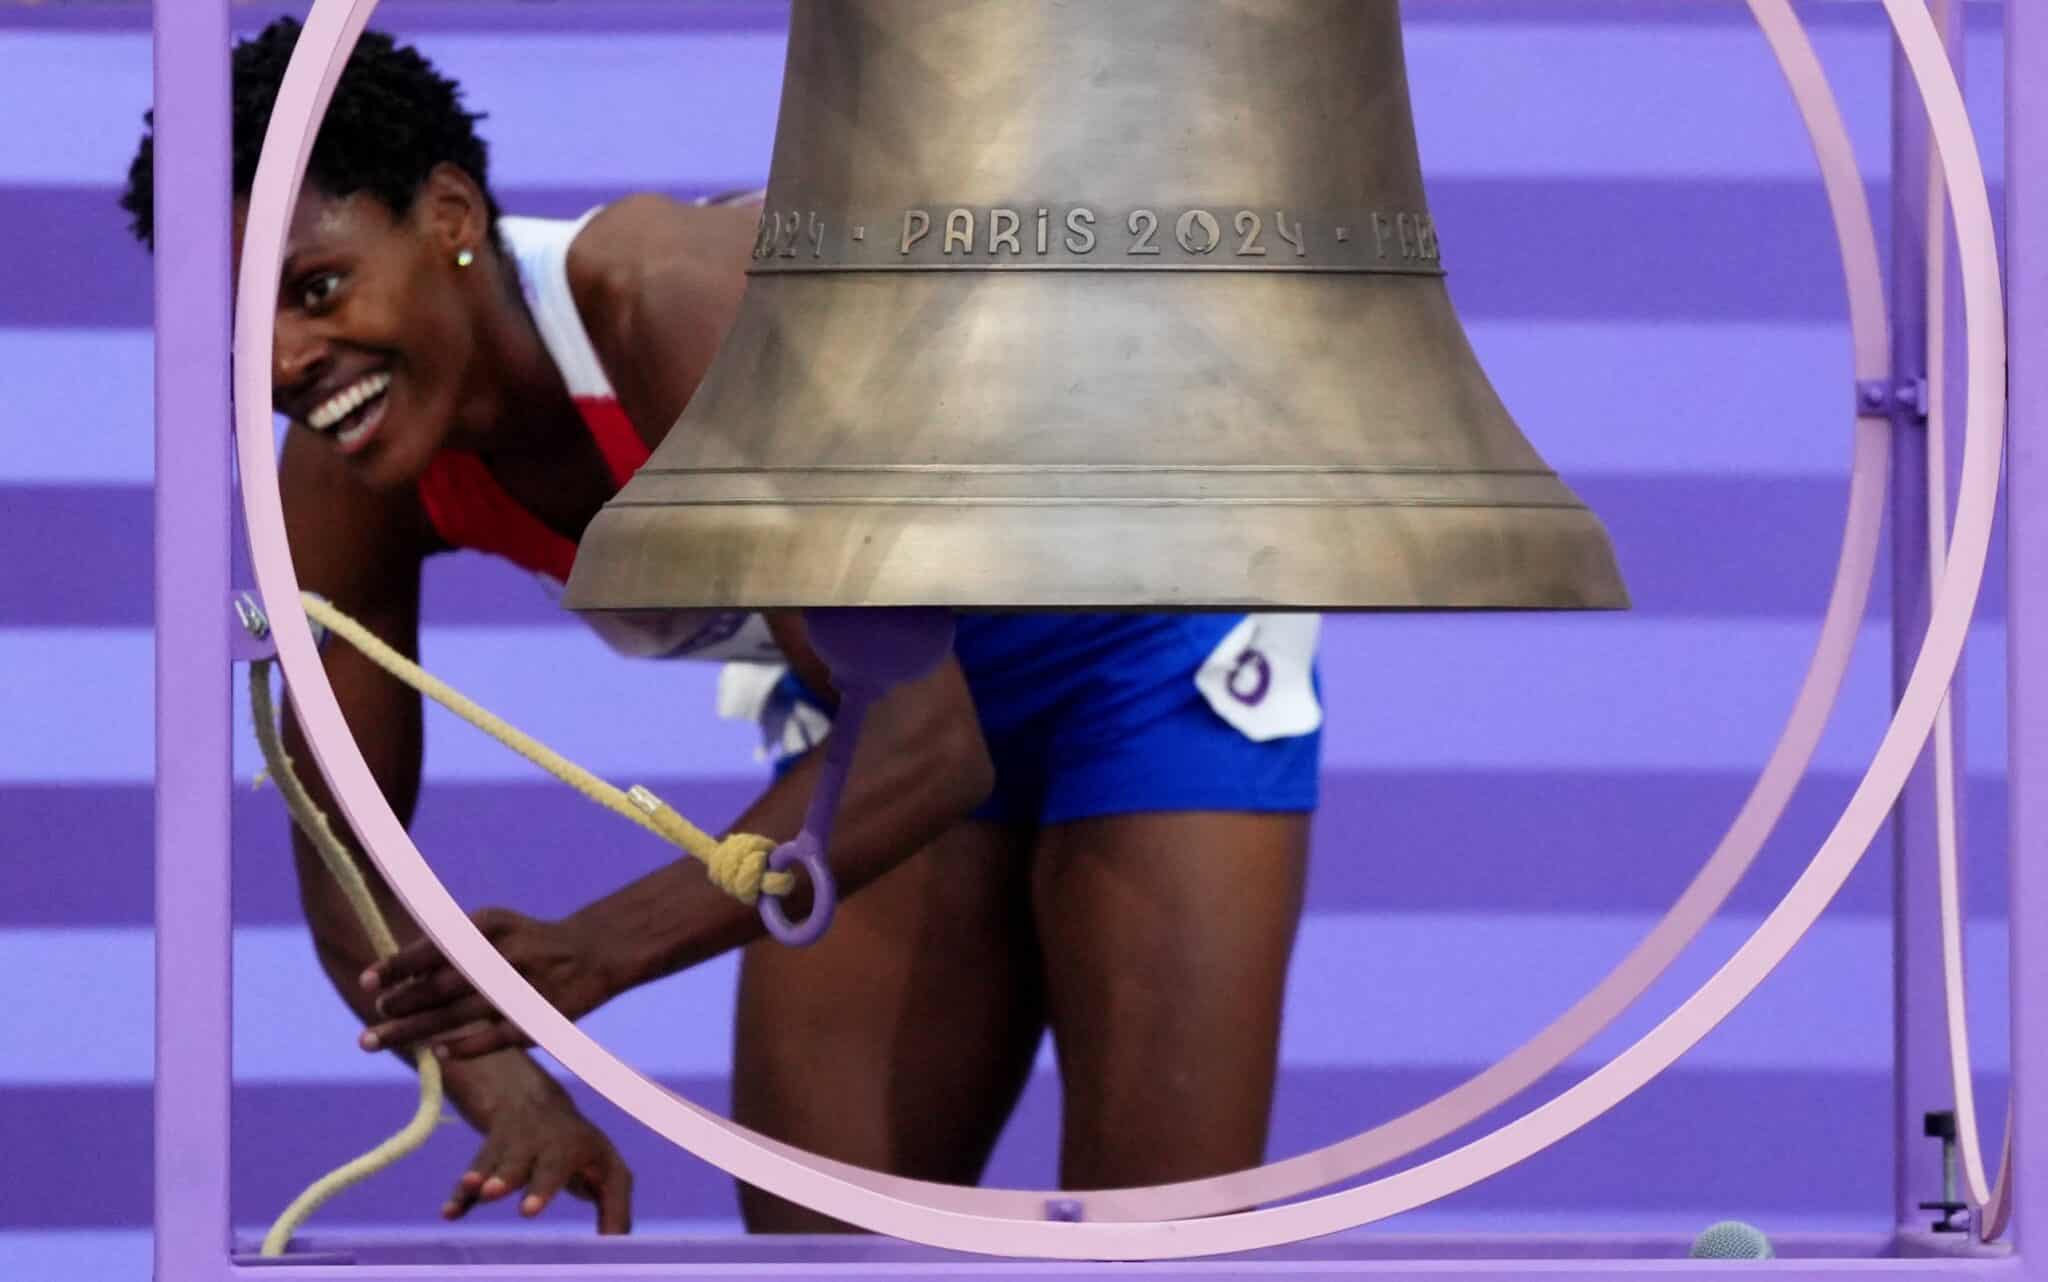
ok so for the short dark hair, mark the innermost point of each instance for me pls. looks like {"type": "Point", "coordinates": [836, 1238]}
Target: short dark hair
{"type": "Point", "coordinates": [393, 119]}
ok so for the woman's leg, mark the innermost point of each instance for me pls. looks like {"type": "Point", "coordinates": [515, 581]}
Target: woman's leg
{"type": "Point", "coordinates": [1166, 940]}
{"type": "Point", "coordinates": [902, 1039]}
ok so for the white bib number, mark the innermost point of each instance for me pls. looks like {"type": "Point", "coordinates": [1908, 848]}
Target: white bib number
{"type": "Point", "coordinates": [1261, 679]}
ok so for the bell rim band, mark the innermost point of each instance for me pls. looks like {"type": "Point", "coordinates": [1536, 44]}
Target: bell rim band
{"type": "Point", "coordinates": [1189, 557]}
{"type": "Point", "coordinates": [1070, 485]}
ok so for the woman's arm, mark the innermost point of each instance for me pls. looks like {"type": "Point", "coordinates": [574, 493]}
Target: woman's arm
{"type": "Point", "coordinates": [921, 766]}
{"type": "Point", "coordinates": [362, 551]}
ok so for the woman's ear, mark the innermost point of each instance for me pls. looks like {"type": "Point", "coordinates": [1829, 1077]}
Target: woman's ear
{"type": "Point", "coordinates": [452, 211]}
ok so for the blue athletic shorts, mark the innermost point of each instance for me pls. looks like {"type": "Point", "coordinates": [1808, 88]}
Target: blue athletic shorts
{"type": "Point", "coordinates": [1091, 715]}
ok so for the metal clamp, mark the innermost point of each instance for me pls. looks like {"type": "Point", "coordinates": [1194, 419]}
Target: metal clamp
{"type": "Point", "coordinates": [1941, 1125]}
{"type": "Point", "coordinates": [1883, 397]}
{"type": "Point", "coordinates": [251, 642]}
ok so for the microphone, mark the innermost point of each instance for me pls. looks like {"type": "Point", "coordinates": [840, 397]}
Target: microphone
{"type": "Point", "coordinates": [1732, 1240]}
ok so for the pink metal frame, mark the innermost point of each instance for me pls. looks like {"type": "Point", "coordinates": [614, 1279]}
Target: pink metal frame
{"type": "Point", "coordinates": [193, 779]}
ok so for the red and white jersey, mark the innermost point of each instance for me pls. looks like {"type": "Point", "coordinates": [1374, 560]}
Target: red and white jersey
{"type": "Point", "coordinates": [469, 509]}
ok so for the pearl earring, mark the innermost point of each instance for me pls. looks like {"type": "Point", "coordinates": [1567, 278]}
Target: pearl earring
{"type": "Point", "coordinates": [465, 257]}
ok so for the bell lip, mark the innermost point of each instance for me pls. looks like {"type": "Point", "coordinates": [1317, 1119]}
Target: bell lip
{"type": "Point", "coordinates": [1009, 560]}
{"type": "Point", "coordinates": [1623, 605]}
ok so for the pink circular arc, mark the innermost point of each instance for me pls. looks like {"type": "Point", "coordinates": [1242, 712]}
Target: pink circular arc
{"type": "Point", "coordinates": [896, 1207]}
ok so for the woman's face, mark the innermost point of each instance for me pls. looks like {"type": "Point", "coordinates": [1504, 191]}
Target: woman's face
{"type": "Point", "coordinates": [376, 328]}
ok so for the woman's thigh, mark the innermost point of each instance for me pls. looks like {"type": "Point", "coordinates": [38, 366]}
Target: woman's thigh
{"type": "Point", "coordinates": [1166, 940]}
{"type": "Point", "coordinates": [902, 1039]}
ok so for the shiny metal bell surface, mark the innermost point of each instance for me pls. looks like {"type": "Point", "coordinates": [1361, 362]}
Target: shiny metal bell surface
{"type": "Point", "coordinates": [1096, 304]}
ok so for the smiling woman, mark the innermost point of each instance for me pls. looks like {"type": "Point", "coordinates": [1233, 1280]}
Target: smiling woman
{"type": "Point", "coordinates": [459, 378]}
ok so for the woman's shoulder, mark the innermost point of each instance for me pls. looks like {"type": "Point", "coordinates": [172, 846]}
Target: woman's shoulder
{"type": "Point", "coordinates": [657, 282]}
{"type": "Point", "coordinates": [642, 240]}
{"type": "Point", "coordinates": [630, 238]}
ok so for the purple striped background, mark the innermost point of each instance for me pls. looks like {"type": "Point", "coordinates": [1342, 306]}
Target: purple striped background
{"type": "Point", "coordinates": [700, 15]}
{"type": "Point", "coordinates": [1697, 239]}
{"type": "Point", "coordinates": [1722, 1141]}
{"type": "Point", "coordinates": [1570, 842]}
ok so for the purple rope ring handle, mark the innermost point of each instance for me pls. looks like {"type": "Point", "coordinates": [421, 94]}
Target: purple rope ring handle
{"type": "Point", "coordinates": [870, 652]}
{"type": "Point", "coordinates": [809, 852]}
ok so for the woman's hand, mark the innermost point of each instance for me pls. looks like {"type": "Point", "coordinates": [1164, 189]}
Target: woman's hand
{"type": "Point", "coordinates": [536, 1140]}
{"type": "Point", "coordinates": [422, 1000]}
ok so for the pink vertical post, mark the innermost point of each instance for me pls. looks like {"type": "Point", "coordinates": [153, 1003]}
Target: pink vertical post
{"type": "Point", "coordinates": [2026, 525]}
{"type": "Point", "coordinates": [193, 705]}
{"type": "Point", "coordinates": [1920, 1076]}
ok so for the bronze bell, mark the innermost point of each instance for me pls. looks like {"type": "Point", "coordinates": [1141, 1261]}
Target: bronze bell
{"type": "Point", "coordinates": [1096, 304]}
